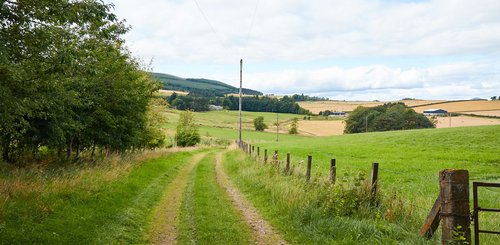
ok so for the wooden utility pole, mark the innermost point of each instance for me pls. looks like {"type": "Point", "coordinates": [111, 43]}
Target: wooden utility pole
{"type": "Point", "coordinates": [241, 95]}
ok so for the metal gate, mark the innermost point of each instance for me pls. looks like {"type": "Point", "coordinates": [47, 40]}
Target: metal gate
{"type": "Point", "coordinates": [475, 186]}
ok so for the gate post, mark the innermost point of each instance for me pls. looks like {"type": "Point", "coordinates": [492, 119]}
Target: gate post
{"type": "Point", "coordinates": [455, 211]}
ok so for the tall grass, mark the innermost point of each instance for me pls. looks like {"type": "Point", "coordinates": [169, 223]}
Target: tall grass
{"type": "Point", "coordinates": [318, 212]}
{"type": "Point", "coordinates": [105, 202]}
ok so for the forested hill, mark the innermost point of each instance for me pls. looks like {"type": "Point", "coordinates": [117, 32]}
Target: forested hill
{"type": "Point", "coordinates": [199, 86]}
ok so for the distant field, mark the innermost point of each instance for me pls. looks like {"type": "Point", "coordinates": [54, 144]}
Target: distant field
{"type": "Point", "coordinates": [463, 121]}
{"type": "Point", "coordinates": [321, 128]}
{"type": "Point", "coordinates": [170, 92]}
{"type": "Point", "coordinates": [317, 106]}
{"type": "Point", "coordinates": [464, 106]}
{"type": "Point", "coordinates": [495, 113]}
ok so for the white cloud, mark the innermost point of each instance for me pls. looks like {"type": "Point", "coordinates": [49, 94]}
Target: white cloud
{"type": "Point", "coordinates": [175, 31]}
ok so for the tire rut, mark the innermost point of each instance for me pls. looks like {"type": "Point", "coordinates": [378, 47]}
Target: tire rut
{"type": "Point", "coordinates": [166, 215]}
{"type": "Point", "coordinates": [262, 231]}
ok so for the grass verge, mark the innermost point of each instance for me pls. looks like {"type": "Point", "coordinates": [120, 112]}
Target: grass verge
{"type": "Point", "coordinates": [109, 203]}
{"type": "Point", "coordinates": [207, 215]}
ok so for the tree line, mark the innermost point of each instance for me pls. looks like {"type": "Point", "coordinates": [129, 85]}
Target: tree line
{"type": "Point", "coordinates": [256, 103]}
{"type": "Point", "coordinates": [68, 83]}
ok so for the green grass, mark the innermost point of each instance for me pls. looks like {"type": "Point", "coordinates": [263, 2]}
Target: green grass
{"type": "Point", "coordinates": [409, 162]}
{"type": "Point", "coordinates": [106, 204]}
{"type": "Point", "coordinates": [297, 209]}
{"type": "Point", "coordinates": [207, 215]}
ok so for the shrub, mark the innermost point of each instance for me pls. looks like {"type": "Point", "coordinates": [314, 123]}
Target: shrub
{"type": "Point", "coordinates": [259, 124]}
{"type": "Point", "coordinates": [294, 126]}
{"type": "Point", "coordinates": [187, 132]}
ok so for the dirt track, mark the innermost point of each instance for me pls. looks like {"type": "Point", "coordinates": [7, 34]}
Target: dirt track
{"type": "Point", "coordinates": [166, 214]}
{"type": "Point", "coordinates": [263, 232]}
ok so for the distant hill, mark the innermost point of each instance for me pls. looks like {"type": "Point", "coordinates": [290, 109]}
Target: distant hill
{"type": "Point", "coordinates": [199, 86]}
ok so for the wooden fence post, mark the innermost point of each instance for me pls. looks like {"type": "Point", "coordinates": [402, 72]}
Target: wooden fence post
{"type": "Point", "coordinates": [308, 171]}
{"type": "Point", "coordinates": [333, 171]}
{"type": "Point", "coordinates": [253, 152]}
{"type": "Point", "coordinates": [455, 212]}
{"type": "Point", "coordinates": [258, 153]}
{"type": "Point", "coordinates": [275, 157]}
{"type": "Point", "coordinates": [374, 180]}
{"type": "Point", "coordinates": [265, 155]}
{"type": "Point", "coordinates": [287, 167]}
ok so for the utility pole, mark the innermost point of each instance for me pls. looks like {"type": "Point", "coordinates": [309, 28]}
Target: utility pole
{"type": "Point", "coordinates": [241, 94]}
{"type": "Point", "coordinates": [277, 125]}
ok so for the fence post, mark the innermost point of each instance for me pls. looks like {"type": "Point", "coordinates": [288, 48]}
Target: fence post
{"type": "Point", "coordinates": [275, 157]}
{"type": "Point", "coordinates": [333, 171]}
{"type": "Point", "coordinates": [253, 152]}
{"type": "Point", "coordinates": [308, 171]}
{"type": "Point", "coordinates": [265, 155]}
{"type": "Point", "coordinates": [374, 180]}
{"type": "Point", "coordinates": [258, 153]}
{"type": "Point", "coordinates": [287, 167]}
{"type": "Point", "coordinates": [455, 212]}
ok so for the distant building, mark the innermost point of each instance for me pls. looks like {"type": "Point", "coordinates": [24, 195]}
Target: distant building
{"type": "Point", "coordinates": [435, 112]}
{"type": "Point", "coordinates": [215, 108]}
{"type": "Point", "coordinates": [337, 114]}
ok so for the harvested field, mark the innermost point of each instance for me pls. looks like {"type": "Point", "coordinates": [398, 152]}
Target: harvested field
{"type": "Point", "coordinates": [321, 128]}
{"type": "Point", "coordinates": [317, 106]}
{"type": "Point", "coordinates": [170, 92]}
{"type": "Point", "coordinates": [463, 121]}
{"type": "Point", "coordinates": [463, 106]}
{"type": "Point", "coordinates": [494, 113]}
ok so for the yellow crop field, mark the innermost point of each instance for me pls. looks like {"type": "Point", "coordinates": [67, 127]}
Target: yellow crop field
{"type": "Point", "coordinates": [317, 106]}
{"type": "Point", "coordinates": [464, 106]}
{"type": "Point", "coordinates": [322, 128]}
{"type": "Point", "coordinates": [464, 121]}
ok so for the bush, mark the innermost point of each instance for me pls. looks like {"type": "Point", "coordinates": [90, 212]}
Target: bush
{"type": "Point", "coordinates": [259, 124]}
{"type": "Point", "coordinates": [294, 126]}
{"type": "Point", "coordinates": [187, 132]}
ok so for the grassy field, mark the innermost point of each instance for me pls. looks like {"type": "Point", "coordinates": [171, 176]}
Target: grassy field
{"type": "Point", "coordinates": [207, 215]}
{"type": "Point", "coordinates": [409, 162]}
{"type": "Point", "coordinates": [105, 203]}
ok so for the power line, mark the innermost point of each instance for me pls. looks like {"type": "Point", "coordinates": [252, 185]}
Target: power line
{"type": "Point", "coordinates": [252, 22]}
{"type": "Point", "coordinates": [210, 24]}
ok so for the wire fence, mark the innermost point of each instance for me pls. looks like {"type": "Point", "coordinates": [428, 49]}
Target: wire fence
{"type": "Point", "coordinates": [416, 174]}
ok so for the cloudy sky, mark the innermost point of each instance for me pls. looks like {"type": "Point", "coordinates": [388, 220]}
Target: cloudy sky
{"type": "Point", "coordinates": [356, 49]}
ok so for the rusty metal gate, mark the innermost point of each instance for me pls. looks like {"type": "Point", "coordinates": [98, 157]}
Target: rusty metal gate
{"type": "Point", "coordinates": [475, 186]}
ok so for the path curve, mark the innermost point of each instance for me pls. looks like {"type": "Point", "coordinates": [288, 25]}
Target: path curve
{"type": "Point", "coordinates": [262, 231]}
{"type": "Point", "coordinates": [166, 214]}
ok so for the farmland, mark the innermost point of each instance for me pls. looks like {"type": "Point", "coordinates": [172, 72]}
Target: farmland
{"type": "Point", "coordinates": [409, 164]}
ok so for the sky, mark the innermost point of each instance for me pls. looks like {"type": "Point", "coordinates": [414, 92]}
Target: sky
{"type": "Point", "coordinates": [343, 50]}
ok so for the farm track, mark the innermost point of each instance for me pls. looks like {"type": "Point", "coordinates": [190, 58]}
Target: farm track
{"type": "Point", "coordinates": [262, 231]}
{"type": "Point", "coordinates": [165, 221]}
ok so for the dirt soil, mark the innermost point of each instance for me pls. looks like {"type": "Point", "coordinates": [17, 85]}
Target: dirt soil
{"type": "Point", "coordinates": [263, 232]}
{"type": "Point", "coordinates": [166, 215]}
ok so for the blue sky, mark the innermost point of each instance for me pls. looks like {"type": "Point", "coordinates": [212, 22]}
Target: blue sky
{"type": "Point", "coordinates": [352, 50]}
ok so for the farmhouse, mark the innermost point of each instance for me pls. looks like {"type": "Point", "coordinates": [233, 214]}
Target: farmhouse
{"type": "Point", "coordinates": [435, 112]}
{"type": "Point", "coordinates": [337, 114]}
